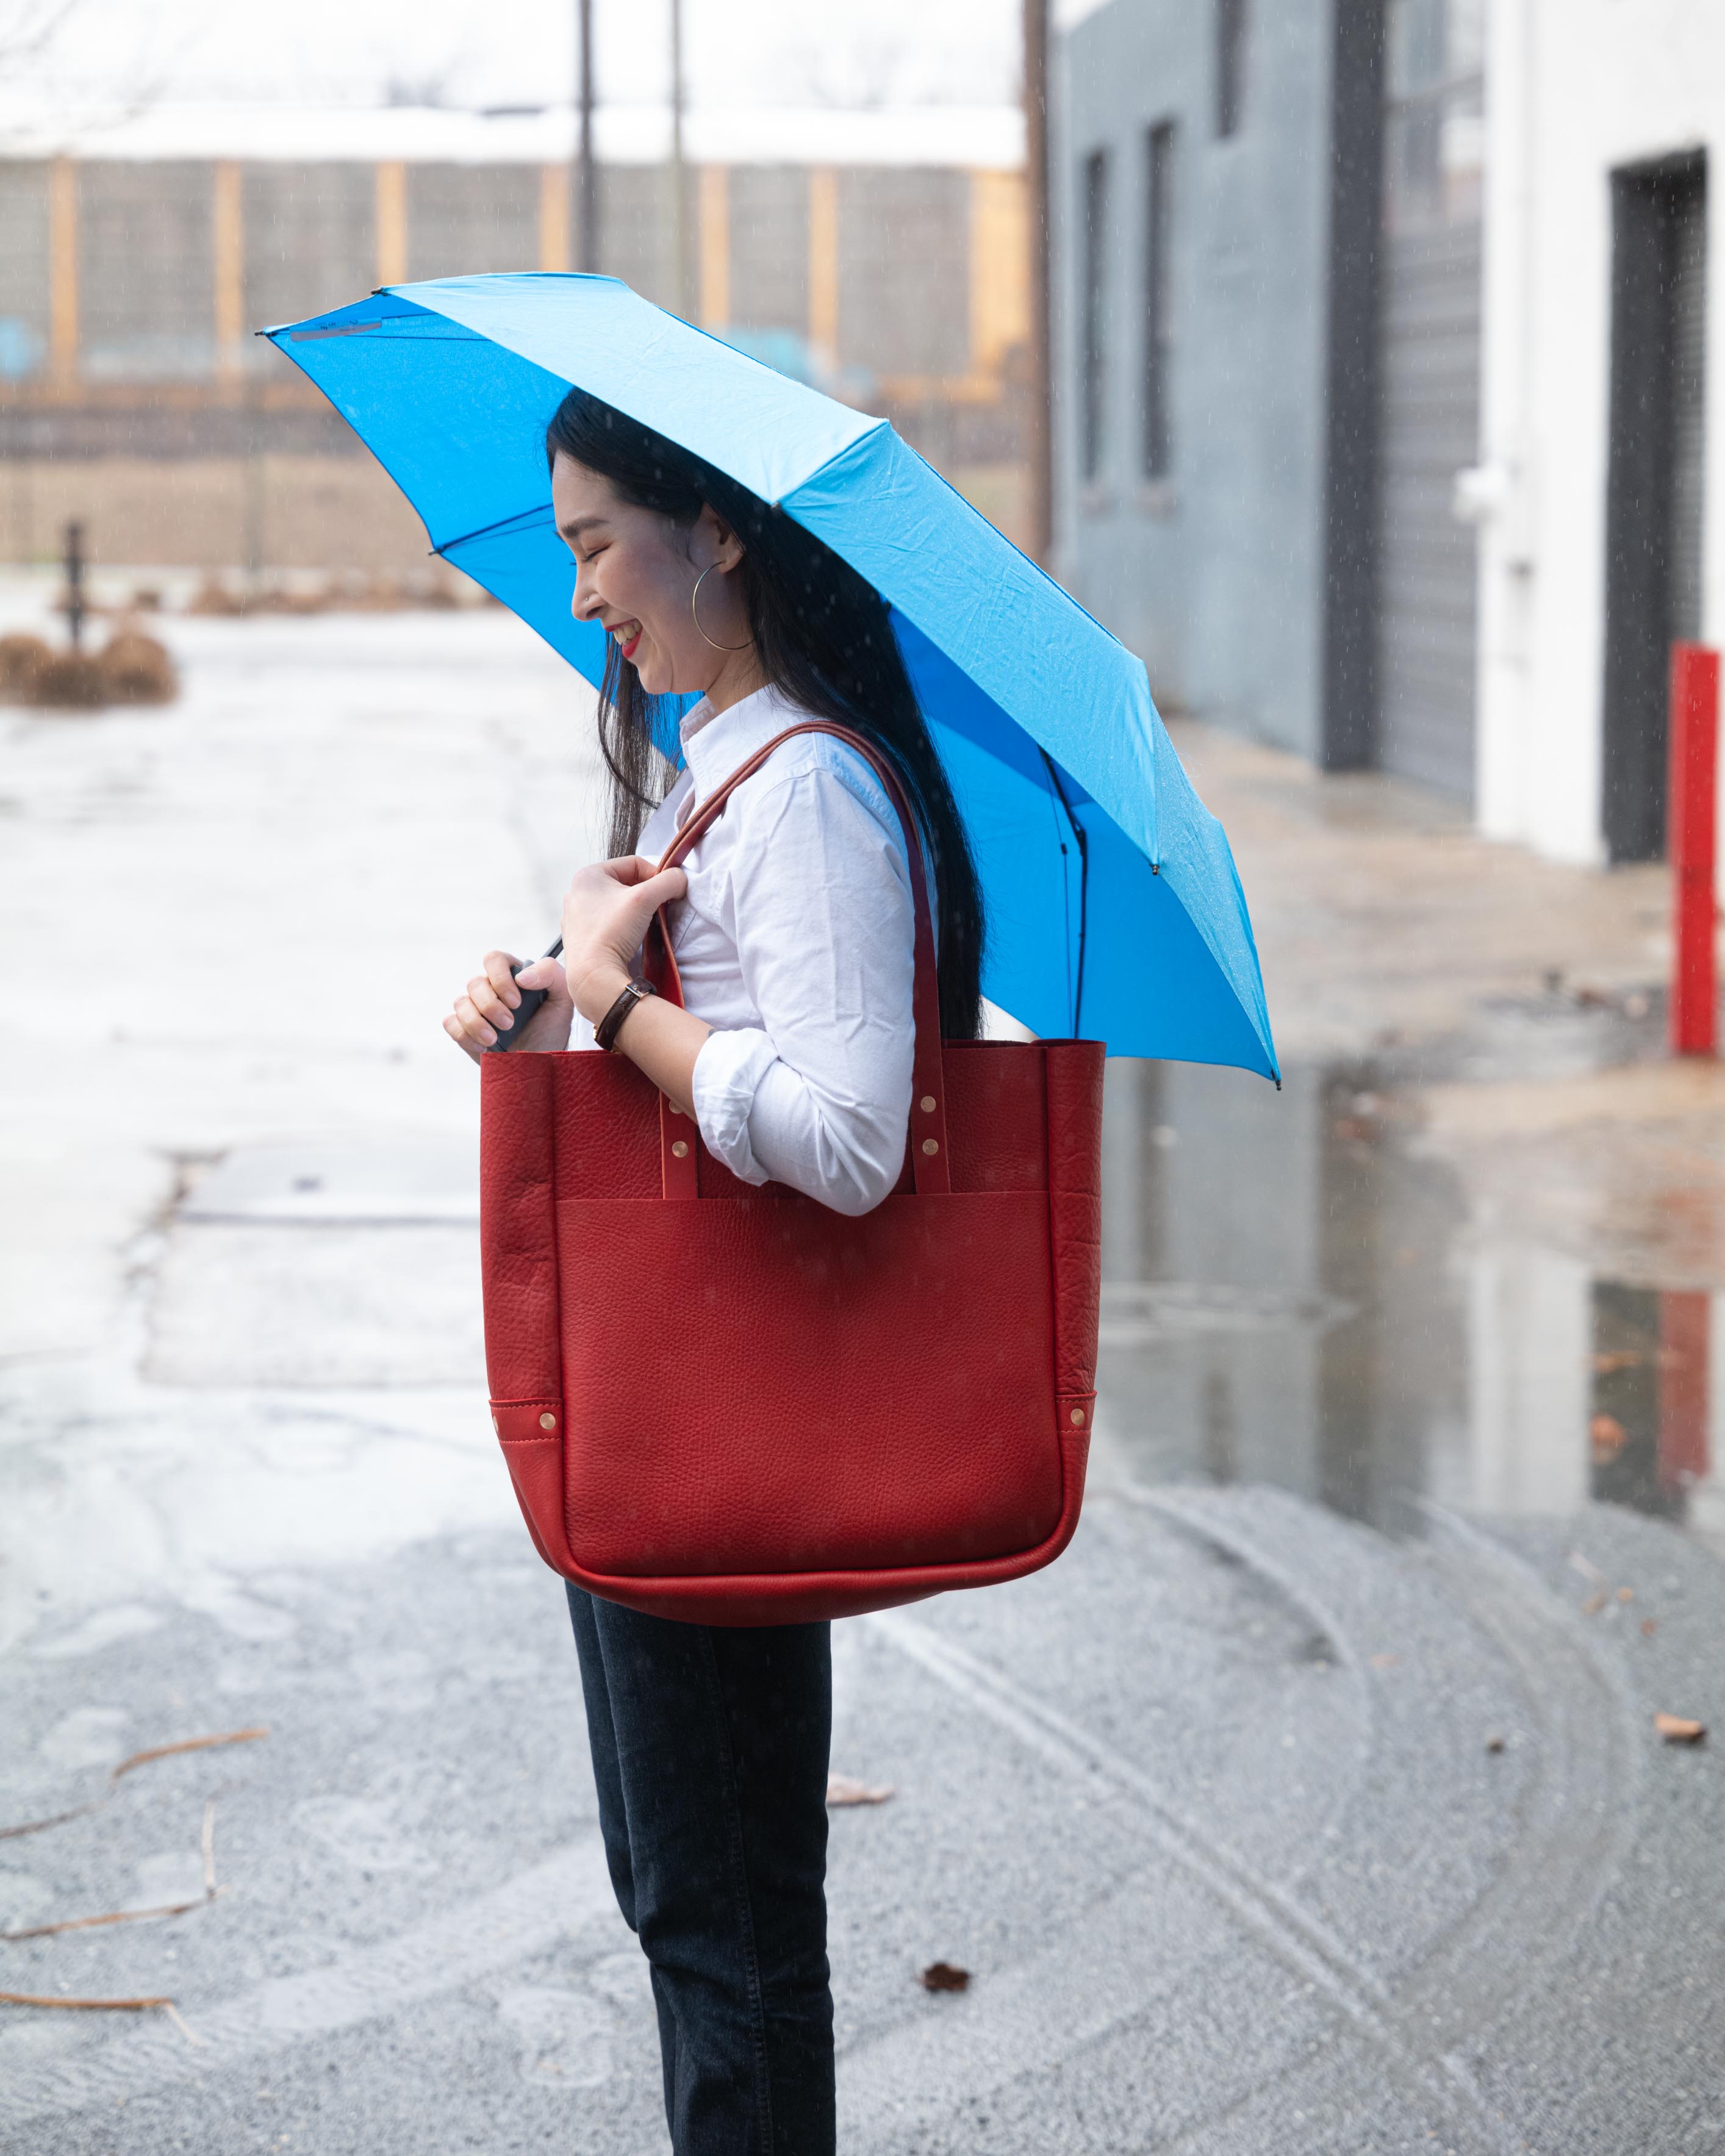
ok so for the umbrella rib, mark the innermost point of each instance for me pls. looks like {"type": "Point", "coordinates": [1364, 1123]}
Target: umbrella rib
{"type": "Point", "coordinates": [521, 518]}
{"type": "Point", "coordinates": [1082, 844]}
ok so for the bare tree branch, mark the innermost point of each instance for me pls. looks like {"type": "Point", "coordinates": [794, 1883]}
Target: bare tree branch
{"type": "Point", "coordinates": [28, 28]}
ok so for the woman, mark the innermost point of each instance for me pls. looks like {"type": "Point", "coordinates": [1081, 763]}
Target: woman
{"type": "Point", "coordinates": [792, 923]}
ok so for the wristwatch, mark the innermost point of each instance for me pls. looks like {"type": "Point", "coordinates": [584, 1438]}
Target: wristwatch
{"type": "Point", "coordinates": [610, 1025]}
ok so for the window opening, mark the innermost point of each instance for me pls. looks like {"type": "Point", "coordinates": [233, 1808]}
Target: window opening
{"type": "Point", "coordinates": [1230, 65]}
{"type": "Point", "coordinates": [1095, 326]}
{"type": "Point", "coordinates": [1159, 299]}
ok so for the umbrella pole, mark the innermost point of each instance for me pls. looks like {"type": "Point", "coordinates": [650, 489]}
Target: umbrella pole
{"type": "Point", "coordinates": [1081, 842]}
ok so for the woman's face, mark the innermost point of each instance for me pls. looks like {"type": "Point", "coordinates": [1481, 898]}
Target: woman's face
{"type": "Point", "coordinates": [635, 571]}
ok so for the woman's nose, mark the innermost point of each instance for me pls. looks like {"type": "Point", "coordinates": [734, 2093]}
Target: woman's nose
{"type": "Point", "coordinates": [584, 604]}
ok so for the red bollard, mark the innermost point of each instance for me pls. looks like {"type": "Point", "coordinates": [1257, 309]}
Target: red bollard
{"type": "Point", "coordinates": [1690, 821]}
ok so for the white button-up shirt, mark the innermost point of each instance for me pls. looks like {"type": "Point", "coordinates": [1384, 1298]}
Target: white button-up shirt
{"type": "Point", "coordinates": [795, 944]}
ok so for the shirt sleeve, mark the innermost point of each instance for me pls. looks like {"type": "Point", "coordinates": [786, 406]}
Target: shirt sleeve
{"type": "Point", "coordinates": [818, 1097]}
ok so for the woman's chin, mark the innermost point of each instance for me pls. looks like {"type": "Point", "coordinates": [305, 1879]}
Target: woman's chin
{"type": "Point", "coordinates": [662, 681]}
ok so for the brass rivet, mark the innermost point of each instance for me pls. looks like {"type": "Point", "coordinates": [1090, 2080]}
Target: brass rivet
{"type": "Point", "coordinates": [926, 1104]}
{"type": "Point", "coordinates": [1077, 1416]}
{"type": "Point", "coordinates": [680, 1149]}
{"type": "Point", "coordinates": [673, 1108]}
{"type": "Point", "coordinates": [547, 1420]}
{"type": "Point", "coordinates": [929, 1145]}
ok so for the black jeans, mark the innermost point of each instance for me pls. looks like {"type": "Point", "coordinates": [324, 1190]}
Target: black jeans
{"type": "Point", "coordinates": [710, 1750]}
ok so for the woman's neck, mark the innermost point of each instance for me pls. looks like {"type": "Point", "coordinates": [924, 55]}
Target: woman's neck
{"type": "Point", "coordinates": [738, 676]}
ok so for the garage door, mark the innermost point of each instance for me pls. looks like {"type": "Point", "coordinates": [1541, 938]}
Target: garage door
{"type": "Point", "coordinates": [1429, 375]}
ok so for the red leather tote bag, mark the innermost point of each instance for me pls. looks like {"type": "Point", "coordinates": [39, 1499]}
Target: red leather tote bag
{"type": "Point", "coordinates": [735, 1406]}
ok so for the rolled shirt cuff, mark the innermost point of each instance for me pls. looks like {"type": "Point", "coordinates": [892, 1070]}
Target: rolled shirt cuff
{"type": "Point", "coordinates": [728, 1071]}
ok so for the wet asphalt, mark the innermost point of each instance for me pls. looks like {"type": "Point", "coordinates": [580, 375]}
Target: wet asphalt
{"type": "Point", "coordinates": [1312, 1803]}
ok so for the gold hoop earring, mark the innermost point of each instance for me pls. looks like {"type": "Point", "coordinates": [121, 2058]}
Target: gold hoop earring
{"type": "Point", "coordinates": [694, 609]}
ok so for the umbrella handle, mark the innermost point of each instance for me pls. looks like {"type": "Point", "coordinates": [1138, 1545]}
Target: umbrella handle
{"type": "Point", "coordinates": [531, 1000]}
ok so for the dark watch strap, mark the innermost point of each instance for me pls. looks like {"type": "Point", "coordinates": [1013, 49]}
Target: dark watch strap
{"type": "Point", "coordinates": [606, 1031]}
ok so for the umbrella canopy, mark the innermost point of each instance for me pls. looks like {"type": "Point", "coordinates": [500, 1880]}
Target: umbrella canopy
{"type": "Point", "coordinates": [1114, 912]}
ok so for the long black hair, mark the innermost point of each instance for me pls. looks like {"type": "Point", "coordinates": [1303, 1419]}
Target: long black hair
{"type": "Point", "coordinates": [822, 637]}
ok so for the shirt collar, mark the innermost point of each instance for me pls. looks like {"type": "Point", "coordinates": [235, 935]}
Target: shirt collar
{"type": "Point", "coordinates": [715, 743]}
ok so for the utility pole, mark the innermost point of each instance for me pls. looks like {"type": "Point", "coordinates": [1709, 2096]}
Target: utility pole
{"type": "Point", "coordinates": [1039, 444]}
{"type": "Point", "coordinates": [586, 177]}
{"type": "Point", "coordinates": [679, 219]}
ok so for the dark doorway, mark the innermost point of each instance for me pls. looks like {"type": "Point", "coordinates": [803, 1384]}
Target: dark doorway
{"type": "Point", "coordinates": [1654, 490]}
{"type": "Point", "coordinates": [1230, 65]}
{"type": "Point", "coordinates": [1094, 406]}
{"type": "Point", "coordinates": [1158, 297]}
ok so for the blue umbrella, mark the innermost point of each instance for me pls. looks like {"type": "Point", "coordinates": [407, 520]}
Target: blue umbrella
{"type": "Point", "coordinates": [1114, 912]}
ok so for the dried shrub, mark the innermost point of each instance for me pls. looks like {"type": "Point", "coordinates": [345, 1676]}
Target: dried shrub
{"type": "Point", "coordinates": [137, 670]}
{"type": "Point", "coordinates": [213, 596]}
{"type": "Point", "coordinates": [22, 659]}
{"type": "Point", "coordinates": [347, 591]}
{"type": "Point", "coordinates": [302, 601]}
{"type": "Point", "coordinates": [70, 681]}
{"type": "Point", "coordinates": [434, 590]}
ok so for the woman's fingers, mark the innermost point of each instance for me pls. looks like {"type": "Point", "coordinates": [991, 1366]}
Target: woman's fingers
{"type": "Point", "coordinates": [660, 887]}
{"type": "Point", "coordinates": [457, 1030]}
{"type": "Point", "coordinates": [474, 1022]}
{"type": "Point", "coordinates": [606, 912]}
{"type": "Point", "coordinates": [628, 868]}
{"type": "Point", "coordinates": [546, 973]}
{"type": "Point", "coordinates": [490, 1007]}
{"type": "Point", "coordinates": [496, 1001]}
{"type": "Point", "coordinates": [497, 965]}
{"type": "Point", "coordinates": [640, 876]}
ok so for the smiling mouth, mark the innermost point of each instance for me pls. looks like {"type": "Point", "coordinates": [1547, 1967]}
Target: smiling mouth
{"type": "Point", "coordinates": [634, 638]}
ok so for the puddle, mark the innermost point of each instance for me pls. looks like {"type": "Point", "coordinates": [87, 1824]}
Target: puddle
{"type": "Point", "coordinates": [1298, 1291]}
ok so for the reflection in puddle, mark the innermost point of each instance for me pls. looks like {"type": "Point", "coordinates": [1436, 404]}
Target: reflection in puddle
{"type": "Point", "coordinates": [1648, 1431]}
{"type": "Point", "coordinates": [1294, 1293]}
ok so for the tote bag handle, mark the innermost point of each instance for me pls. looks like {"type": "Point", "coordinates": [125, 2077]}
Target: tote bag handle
{"type": "Point", "coordinates": [931, 1170]}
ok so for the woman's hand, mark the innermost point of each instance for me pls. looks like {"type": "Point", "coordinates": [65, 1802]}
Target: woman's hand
{"type": "Point", "coordinates": [488, 1006]}
{"type": "Point", "coordinates": [605, 916]}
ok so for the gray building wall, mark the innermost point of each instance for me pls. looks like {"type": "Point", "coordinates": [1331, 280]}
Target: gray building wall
{"type": "Point", "coordinates": [1216, 575]}
{"type": "Point", "coordinates": [311, 243]}
{"type": "Point", "coordinates": [904, 252]}
{"type": "Point", "coordinates": [769, 246]}
{"type": "Point", "coordinates": [136, 281]}
{"type": "Point", "coordinates": [144, 301]}
{"type": "Point", "coordinates": [463, 217]}
{"type": "Point", "coordinates": [145, 271]}
{"type": "Point", "coordinates": [23, 249]}
{"type": "Point", "coordinates": [636, 229]}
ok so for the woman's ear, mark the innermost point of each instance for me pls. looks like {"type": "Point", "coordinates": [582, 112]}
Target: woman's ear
{"type": "Point", "coordinates": [727, 548]}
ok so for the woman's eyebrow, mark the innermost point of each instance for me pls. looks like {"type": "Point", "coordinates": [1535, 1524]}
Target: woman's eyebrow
{"type": "Point", "coordinates": [575, 526]}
